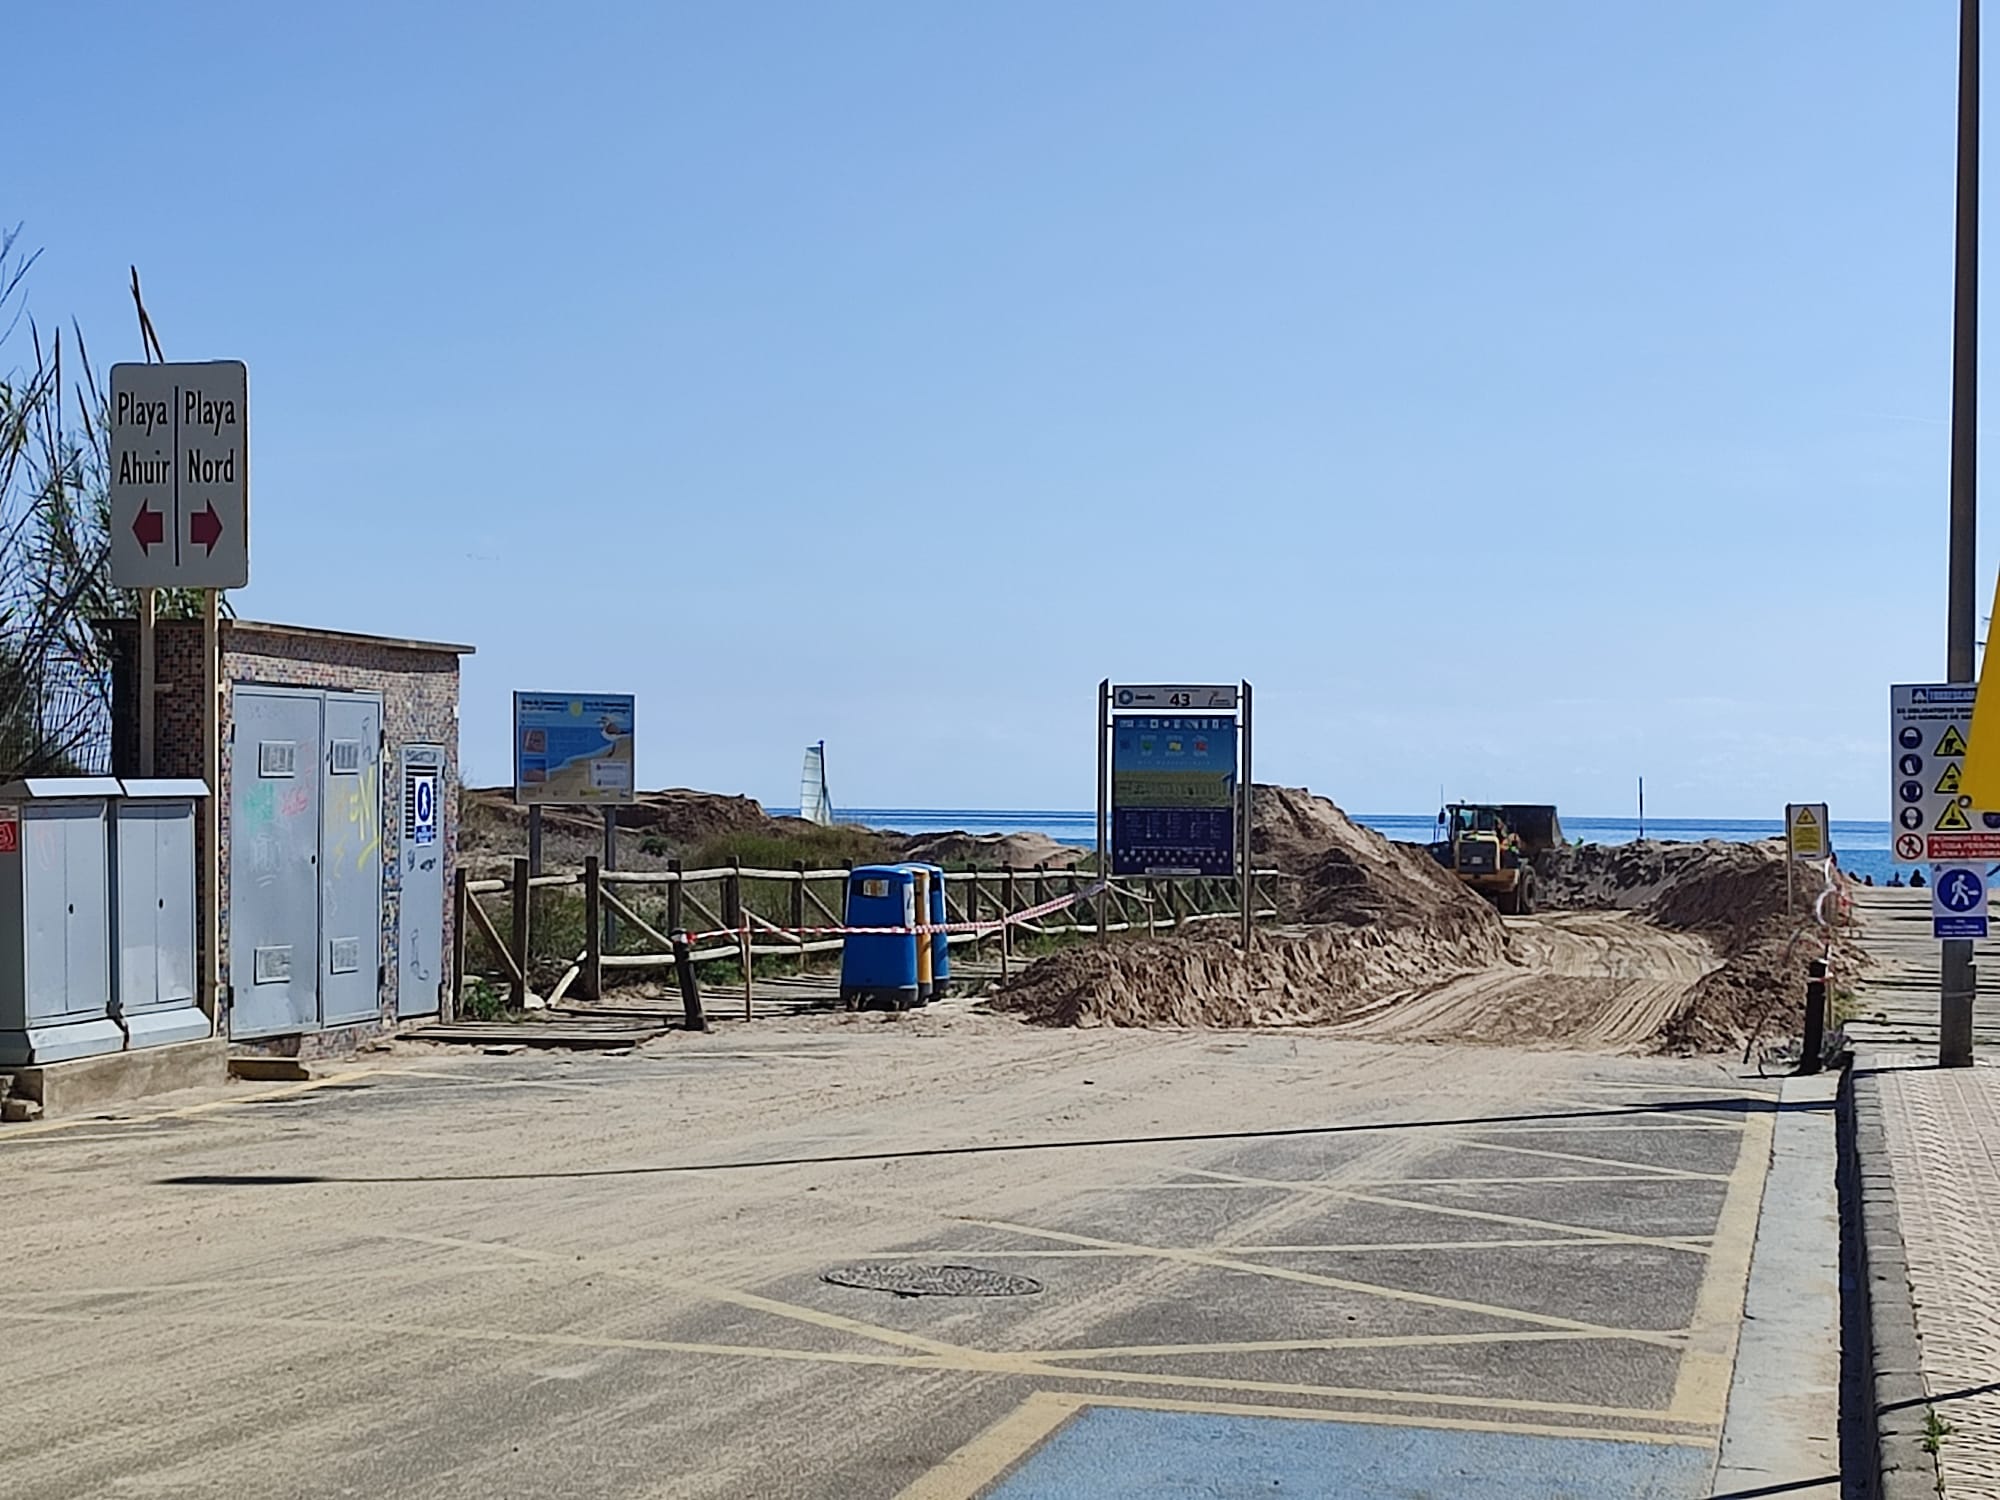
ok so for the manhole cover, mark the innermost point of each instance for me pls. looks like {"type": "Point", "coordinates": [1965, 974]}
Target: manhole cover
{"type": "Point", "coordinates": [905, 1279]}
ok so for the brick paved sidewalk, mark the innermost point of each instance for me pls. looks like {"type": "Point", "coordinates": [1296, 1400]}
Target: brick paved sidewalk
{"type": "Point", "coordinates": [1940, 1142]}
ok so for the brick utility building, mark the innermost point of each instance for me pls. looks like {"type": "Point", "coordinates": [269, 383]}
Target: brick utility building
{"type": "Point", "coordinates": [338, 809]}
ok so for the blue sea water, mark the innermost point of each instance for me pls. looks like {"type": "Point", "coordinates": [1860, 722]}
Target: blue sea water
{"type": "Point", "coordinates": [1863, 847]}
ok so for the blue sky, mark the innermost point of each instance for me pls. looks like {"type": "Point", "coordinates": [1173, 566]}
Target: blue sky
{"type": "Point", "coordinates": [1524, 396]}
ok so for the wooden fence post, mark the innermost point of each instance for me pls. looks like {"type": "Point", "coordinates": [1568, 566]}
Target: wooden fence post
{"type": "Point", "coordinates": [593, 928]}
{"type": "Point", "coordinates": [732, 895]}
{"type": "Point", "coordinates": [1008, 906]}
{"type": "Point", "coordinates": [674, 898]}
{"type": "Point", "coordinates": [456, 987]}
{"type": "Point", "coordinates": [518, 994]}
{"type": "Point", "coordinates": [799, 910]}
{"type": "Point", "coordinates": [972, 913]}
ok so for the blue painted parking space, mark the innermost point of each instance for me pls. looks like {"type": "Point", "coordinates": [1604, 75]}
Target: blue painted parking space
{"type": "Point", "coordinates": [1108, 1453]}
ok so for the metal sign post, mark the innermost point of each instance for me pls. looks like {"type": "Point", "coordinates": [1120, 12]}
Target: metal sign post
{"type": "Point", "coordinates": [1173, 784]}
{"type": "Point", "coordinates": [1103, 795]}
{"type": "Point", "coordinates": [1247, 881]}
{"type": "Point", "coordinates": [211, 805]}
{"type": "Point", "coordinates": [179, 493]}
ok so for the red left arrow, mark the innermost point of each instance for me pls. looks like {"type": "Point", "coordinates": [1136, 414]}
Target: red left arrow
{"type": "Point", "coordinates": [205, 528]}
{"type": "Point", "coordinates": [150, 527]}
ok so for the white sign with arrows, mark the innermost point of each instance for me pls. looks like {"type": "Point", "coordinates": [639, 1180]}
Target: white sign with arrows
{"type": "Point", "coordinates": [180, 475]}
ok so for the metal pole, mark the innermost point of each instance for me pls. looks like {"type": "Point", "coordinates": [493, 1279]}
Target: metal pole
{"type": "Point", "coordinates": [1103, 794]}
{"type": "Point", "coordinates": [610, 863]}
{"type": "Point", "coordinates": [1958, 978]}
{"type": "Point", "coordinates": [211, 805]}
{"type": "Point", "coordinates": [534, 841]}
{"type": "Point", "coordinates": [149, 679]}
{"type": "Point", "coordinates": [1246, 885]}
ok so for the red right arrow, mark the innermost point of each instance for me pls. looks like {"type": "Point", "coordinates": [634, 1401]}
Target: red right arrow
{"type": "Point", "coordinates": [150, 527]}
{"type": "Point", "coordinates": [205, 528]}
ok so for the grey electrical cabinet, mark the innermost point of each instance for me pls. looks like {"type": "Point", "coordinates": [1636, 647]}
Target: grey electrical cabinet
{"type": "Point", "coordinates": [153, 914]}
{"type": "Point", "coordinates": [55, 920]}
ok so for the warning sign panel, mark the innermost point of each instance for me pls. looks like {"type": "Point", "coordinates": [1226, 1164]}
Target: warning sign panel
{"type": "Point", "coordinates": [10, 830]}
{"type": "Point", "coordinates": [1928, 724]}
{"type": "Point", "coordinates": [1806, 830]}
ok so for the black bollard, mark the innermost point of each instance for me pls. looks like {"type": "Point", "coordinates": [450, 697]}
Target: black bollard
{"type": "Point", "coordinates": [690, 990]}
{"type": "Point", "coordinates": [1812, 1053]}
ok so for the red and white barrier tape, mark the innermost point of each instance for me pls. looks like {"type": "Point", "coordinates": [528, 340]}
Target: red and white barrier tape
{"type": "Point", "coordinates": [920, 929]}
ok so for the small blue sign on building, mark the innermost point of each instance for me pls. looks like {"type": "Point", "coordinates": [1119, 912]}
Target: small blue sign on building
{"type": "Point", "coordinates": [1958, 901]}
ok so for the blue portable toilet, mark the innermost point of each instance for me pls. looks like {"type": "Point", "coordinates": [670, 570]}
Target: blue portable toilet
{"type": "Point", "coordinates": [879, 969]}
{"type": "Point", "coordinates": [940, 942]}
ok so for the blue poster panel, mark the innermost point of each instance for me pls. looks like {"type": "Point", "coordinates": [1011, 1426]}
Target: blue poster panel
{"type": "Point", "coordinates": [1173, 795]}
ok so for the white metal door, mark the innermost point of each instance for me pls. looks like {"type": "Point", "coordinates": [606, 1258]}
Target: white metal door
{"type": "Point", "coordinates": [350, 875]}
{"type": "Point", "coordinates": [420, 867]}
{"type": "Point", "coordinates": [274, 830]}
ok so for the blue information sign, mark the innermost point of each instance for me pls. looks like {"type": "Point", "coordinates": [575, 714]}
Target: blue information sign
{"type": "Point", "coordinates": [1173, 794]}
{"type": "Point", "coordinates": [573, 748]}
{"type": "Point", "coordinates": [1958, 901]}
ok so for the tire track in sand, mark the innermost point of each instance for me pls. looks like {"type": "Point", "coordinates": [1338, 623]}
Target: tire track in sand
{"type": "Point", "coordinates": [1597, 981]}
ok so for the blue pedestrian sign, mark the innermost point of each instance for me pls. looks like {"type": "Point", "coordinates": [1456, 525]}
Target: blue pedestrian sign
{"type": "Point", "coordinates": [1958, 901]}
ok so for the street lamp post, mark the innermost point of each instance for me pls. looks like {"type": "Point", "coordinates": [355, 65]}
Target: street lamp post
{"type": "Point", "coordinates": [1958, 977]}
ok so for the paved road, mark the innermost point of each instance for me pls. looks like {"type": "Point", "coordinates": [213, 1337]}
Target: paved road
{"type": "Point", "coordinates": [1260, 1257]}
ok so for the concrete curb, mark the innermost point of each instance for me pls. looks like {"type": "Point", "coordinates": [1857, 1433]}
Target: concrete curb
{"type": "Point", "coordinates": [1892, 1372]}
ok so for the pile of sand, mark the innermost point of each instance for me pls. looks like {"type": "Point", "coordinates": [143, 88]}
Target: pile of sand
{"type": "Point", "coordinates": [1733, 895]}
{"type": "Point", "coordinates": [1386, 917]}
{"type": "Point", "coordinates": [1345, 873]}
{"type": "Point", "coordinates": [1632, 877]}
{"type": "Point", "coordinates": [991, 851]}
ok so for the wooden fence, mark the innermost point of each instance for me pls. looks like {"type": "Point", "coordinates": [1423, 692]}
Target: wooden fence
{"type": "Point", "coordinates": [595, 924]}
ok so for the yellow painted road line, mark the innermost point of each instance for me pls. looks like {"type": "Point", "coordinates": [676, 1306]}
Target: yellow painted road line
{"type": "Point", "coordinates": [972, 1363]}
{"type": "Point", "coordinates": [1728, 1091]}
{"type": "Point", "coordinates": [1309, 1185]}
{"type": "Point", "coordinates": [1311, 1346]}
{"type": "Point", "coordinates": [1012, 1439]}
{"type": "Point", "coordinates": [713, 1291]}
{"type": "Point", "coordinates": [1692, 1244]}
{"type": "Point", "coordinates": [1214, 1261]}
{"type": "Point", "coordinates": [1637, 1126]}
{"type": "Point", "coordinates": [1392, 1419]}
{"type": "Point", "coordinates": [1701, 1391]}
{"type": "Point", "coordinates": [996, 1450]}
{"type": "Point", "coordinates": [1634, 1168]}
{"type": "Point", "coordinates": [989, 1252]}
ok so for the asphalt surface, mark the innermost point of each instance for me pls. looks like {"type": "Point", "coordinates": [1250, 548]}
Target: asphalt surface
{"type": "Point", "coordinates": [1494, 1272]}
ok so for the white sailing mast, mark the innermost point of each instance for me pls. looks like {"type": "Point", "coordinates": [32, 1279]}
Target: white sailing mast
{"type": "Point", "coordinates": [815, 801]}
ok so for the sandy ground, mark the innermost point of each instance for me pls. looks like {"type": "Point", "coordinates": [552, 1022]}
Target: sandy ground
{"type": "Point", "coordinates": [1602, 980]}
{"type": "Point", "coordinates": [448, 1276]}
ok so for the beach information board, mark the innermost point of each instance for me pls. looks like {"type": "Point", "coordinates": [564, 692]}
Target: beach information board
{"type": "Point", "coordinates": [573, 749]}
{"type": "Point", "coordinates": [1173, 794]}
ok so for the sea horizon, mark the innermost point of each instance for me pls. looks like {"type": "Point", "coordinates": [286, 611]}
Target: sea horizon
{"type": "Point", "coordinates": [1862, 845]}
